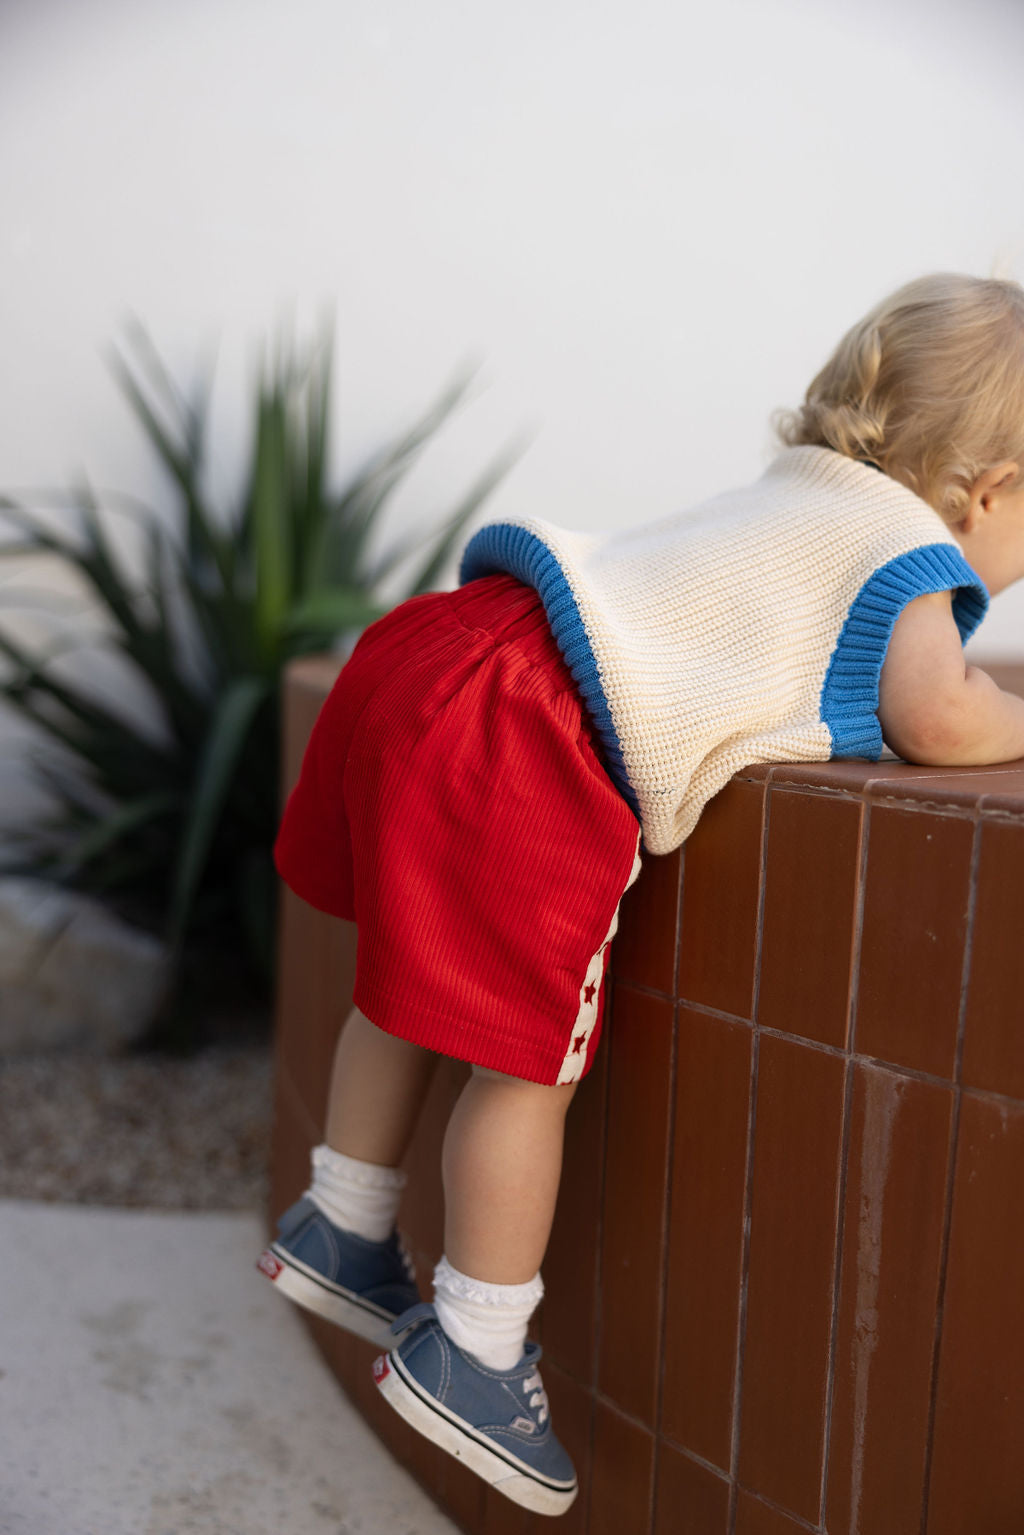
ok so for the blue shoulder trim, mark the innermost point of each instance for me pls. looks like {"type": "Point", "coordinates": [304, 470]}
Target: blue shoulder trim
{"type": "Point", "coordinates": [503, 547]}
{"type": "Point", "coordinates": [849, 694]}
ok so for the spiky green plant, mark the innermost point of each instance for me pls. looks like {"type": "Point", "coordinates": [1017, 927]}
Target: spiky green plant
{"type": "Point", "coordinates": [177, 834]}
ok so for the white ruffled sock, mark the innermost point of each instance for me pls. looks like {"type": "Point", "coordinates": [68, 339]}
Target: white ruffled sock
{"type": "Point", "coordinates": [357, 1196]}
{"type": "Point", "coordinates": [487, 1320]}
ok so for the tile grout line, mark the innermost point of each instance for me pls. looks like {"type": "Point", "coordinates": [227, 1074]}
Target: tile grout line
{"type": "Point", "coordinates": [988, 1095]}
{"type": "Point", "coordinates": [666, 1239]}
{"type": "Point", "coordinates": [666, 1210]}
{"type": "Point", "coordinates": [844, 1155]}
{"type": "Point", "coordinates": [954, 1152]}
{"type": "Point", "coordinates": [748, 1191]}
{"type": "Point", "coordinates": [787, 1513]}
{"type": "Point", "coordinates": [595, 1354]}
{"type": "Point", "coordinates": [698, 1460]}
{"type": "Point", "coordinates": [945, 809]}
{"type": "Point", "coordinates": [622, 1412]}
{"type": "Point", "coordinates": [700, 1007]}
{"type": "Point", "coordinates": [823, 1048]}
{"type": "Point", "coordinates": [640, 988]}
{"type": "Point", "coordinates": [913, 1073]}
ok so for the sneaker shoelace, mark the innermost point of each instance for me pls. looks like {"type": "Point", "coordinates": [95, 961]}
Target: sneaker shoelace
{"type": "Point", "coordinates": [539, 1397]}
{"type": "Point", "coordinates": [407, 1263]}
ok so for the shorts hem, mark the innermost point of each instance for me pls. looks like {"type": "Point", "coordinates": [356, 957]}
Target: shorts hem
{"type": "Point", "coordinates": [496, 1049]}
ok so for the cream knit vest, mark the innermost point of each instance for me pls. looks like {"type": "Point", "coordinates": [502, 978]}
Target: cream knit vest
{"type": "Point", "coordinates": [751, 628]}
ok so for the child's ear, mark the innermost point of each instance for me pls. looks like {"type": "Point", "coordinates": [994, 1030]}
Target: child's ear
{"type": "Point", "coordinates": [984, 493]}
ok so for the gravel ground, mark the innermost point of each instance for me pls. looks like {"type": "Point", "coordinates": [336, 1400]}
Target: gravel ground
{"type": "Point", "coordinates": [146, 1131]}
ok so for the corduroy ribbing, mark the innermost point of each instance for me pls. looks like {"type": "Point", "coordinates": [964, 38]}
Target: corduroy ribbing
{"type": "Point", "coordinates": [452, 804]}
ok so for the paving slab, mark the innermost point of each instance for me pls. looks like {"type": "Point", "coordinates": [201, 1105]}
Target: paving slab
{"type": "Point", "coordinates": [153, 1383]}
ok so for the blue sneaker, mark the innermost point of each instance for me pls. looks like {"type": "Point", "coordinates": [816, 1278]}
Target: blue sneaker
{"type": "Point", "coordinates": [495, 1421]}
{"type": "Point", "coordinates": [360, 1285]}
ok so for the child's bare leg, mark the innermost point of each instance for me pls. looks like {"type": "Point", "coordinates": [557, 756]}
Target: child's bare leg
{"type": "Point", "coordinates": [502, 1163]}
{"type": "Point", "coordinates": [356, 1274]}
{"type": "Point", "coordinates": [378, 1084]}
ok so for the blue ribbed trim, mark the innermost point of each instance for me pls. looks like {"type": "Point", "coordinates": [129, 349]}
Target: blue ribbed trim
{"type": "Point", "coordinates": [502, 547]}
{"type": "Point", "coordinates": [849, 694]}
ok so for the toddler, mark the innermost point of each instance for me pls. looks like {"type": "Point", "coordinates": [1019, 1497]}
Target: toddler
{"type": "Point", "coordinates": [479, 781]}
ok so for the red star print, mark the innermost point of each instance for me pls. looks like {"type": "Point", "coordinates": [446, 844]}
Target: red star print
{"type": "Point", "coordinates": [578, 1043]}
{"type": "Point", "coordinates": [588, 992]}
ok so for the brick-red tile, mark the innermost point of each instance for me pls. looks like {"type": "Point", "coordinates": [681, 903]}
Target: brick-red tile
{"type": "Point", "coordinates": [622, 1481]}
{"type": "Point", "coordinates": [632, 1246]}
{"type": "Point", "coordinates": [461, 1493]}
{"type": "Point", "coordinates": [977, 1474]}
{"type": "Point", "coordinates": [994, 1028]}
{"type": "Point", "coordinates": [291, 1141]}
{"type": "Point", "coordinates": [892, 1250]}
{"type": "Point", "coordinates": [317, 952]}
{"type": "Point", "coordinates": [644, 950]}
{"type": "Point", "coordinates": [421, 1215]}
{"type": "Point", "coordinates": [314, 993]}
{"type": "Point", "coordinates": [810, 904]}
{"type": "Point", "coordinates": [798, 1134]}
{"type": "Point", "coordinates": [570, 1267]}
{"type": "Point", "coordinates": [721, 885]}
{"type": "Point", "coordinates": [912, 944]}
{"type": "Point", "coordinates": [689, 1499]}
{"type": "Point", "coordinates": [706, 1232]}
{"type": "Point", "coordinates": [572, 1411]}
{"type": "Point", "coordinates": [501, 1516]}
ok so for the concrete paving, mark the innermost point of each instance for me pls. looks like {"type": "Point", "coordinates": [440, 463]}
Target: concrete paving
{"type": "Point", "coordinates": [152, 1383]}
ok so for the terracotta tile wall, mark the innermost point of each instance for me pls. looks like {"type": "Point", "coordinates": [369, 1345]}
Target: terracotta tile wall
{"type": "Point", "coordinates": [784, 1287]}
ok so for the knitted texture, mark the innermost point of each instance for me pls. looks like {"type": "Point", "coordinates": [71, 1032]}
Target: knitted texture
{"type": "Point", "coordinates": [751, 628]}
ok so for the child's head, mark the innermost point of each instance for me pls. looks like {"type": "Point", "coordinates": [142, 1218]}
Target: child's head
{"type": "Point", "coordinates": [929, 386]}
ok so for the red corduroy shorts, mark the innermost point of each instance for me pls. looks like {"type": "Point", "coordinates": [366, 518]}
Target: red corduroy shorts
{"type": "Point", "coordinates": [452, 804]}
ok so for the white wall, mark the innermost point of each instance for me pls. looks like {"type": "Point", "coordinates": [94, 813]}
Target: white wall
{"type": "Point", "coordinates": [650, 220]}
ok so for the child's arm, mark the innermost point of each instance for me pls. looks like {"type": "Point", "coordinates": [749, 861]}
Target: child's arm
{"type": "Point", "coordinates": [932, 706]}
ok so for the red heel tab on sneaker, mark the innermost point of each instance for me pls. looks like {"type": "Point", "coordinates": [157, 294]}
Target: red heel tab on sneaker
{"type": "Point", "coordinates": [381, 1368]}
{"type": "Point", "coordinates": [269, 1265]}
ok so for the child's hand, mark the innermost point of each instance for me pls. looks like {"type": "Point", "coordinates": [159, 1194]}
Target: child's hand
{"type": "Point", "coordinates": [933, 707]}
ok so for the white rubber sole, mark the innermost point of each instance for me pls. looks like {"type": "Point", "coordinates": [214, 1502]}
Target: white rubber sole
{"type": "Point", "coordinates": [316, 1294]}
{"type": "Point", "coordinates": [432, 1420]}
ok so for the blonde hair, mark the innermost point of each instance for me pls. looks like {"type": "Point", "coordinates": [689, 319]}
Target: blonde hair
{"type": "Point", "coordinates": [929, 386]}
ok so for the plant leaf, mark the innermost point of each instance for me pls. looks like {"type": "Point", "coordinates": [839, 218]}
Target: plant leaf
{"type": "Point", "coordinates": [183, 827]}
{"type": "Point", "coordinates": [331, 611]}
{"type": "Point", "coordinates": [118, 753]}
{"type": "Point", "coordinates": [206, 545]}
{"type": "Point", "coordinates": [339, 553]}
{"type": "Point", "coordinates": [119, 824]}
{"type": "Point", "coordinates": [316, 442]}
{"type": "Point", "coordinates": [446, 538]}
{"type": "Point", "coordinates": [272, 550]}
{"type": "Point", "coordinates": [221, 753]}
{"type": "Point", "coordinates": [43, 538]}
